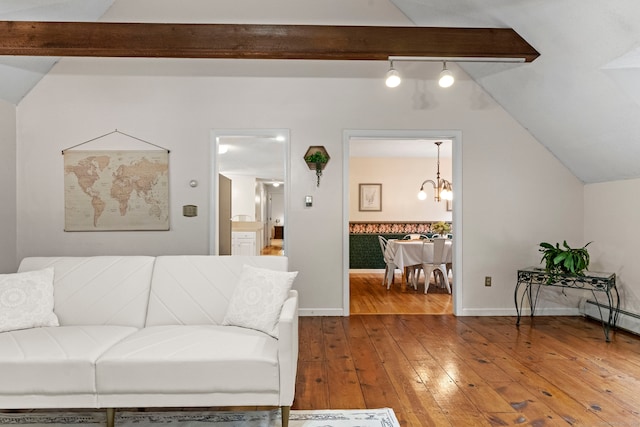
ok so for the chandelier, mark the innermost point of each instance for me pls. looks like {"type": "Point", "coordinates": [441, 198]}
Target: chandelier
{"type": "Point", "coordinates": [441, 187]}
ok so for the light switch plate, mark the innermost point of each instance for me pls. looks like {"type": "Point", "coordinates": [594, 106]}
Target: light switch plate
{"type": "Point", "coordinates": [308, 201]}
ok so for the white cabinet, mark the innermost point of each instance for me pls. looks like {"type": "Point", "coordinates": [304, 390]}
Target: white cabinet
{"type": "Point", "coordinates": [243, 243]}
{"type": "Point", "coordinates": [246, 238]}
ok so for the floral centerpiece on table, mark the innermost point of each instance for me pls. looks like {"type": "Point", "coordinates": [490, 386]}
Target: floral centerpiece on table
{"type": "Point", "coordinates": [441, 227]}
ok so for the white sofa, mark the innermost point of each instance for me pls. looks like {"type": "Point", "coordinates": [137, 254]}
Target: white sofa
{"type": "Point", "coordinates": [139, 331]}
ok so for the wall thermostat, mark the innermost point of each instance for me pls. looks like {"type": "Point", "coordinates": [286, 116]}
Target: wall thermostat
{"type": "Point", "coordinates": [308, 201]}
{"type": "Point", "coordinates": [190, 210]}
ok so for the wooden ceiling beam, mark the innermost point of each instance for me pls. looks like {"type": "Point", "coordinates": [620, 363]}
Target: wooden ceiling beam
{"type": "Point", "coordinates": [244, 41]}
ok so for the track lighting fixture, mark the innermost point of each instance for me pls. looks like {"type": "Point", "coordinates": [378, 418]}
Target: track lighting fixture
{"type": "Point", "coordinates": [446, 78]}
{"type": "Point", "coordinates": [393, 77]}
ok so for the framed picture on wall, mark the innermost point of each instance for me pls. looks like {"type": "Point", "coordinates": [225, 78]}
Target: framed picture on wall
{"type": "Point", "coordinates": [370, 197]}
{"type": "Point", "coordinates": [449, 205]}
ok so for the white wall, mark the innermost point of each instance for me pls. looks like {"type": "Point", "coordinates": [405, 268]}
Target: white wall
{"type": "Point", "coordinates": [277, 204]}
{"type": "Point", "coordinates": [243, 196]}
{"type": "Point", "coordinates": [400, 179]}
{"type": "Point", "coordinates": [8, 260]}
{"type": "Point", "coordinates": [516, 193]}
{"type": "Point", "coordinates": [611, 224]}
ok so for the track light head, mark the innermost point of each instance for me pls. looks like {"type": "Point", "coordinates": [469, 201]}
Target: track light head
{"type": "Point", "coordinates": [393, 77]}
{"type": "Point", "coordinates": [446, 77]}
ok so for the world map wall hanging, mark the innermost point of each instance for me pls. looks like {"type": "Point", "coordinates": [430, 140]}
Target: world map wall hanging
{"type": "Point", "coordinates": [116, 190]}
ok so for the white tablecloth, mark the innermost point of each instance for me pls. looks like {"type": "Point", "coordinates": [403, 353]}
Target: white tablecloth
{"type": "Point", "coordinates": [409, 252]}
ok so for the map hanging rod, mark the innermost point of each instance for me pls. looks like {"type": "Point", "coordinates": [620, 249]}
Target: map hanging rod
{"type": "Point", "coordinates": [112, 132]}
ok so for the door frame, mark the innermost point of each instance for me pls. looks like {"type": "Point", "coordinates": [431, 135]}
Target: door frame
{"type": "Point", "coordinates": [456, 137]}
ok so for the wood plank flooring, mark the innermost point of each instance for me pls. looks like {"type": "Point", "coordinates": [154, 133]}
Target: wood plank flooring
{"type": "Point", "coordinates": [464, 371]}
{"type": "Point", "coordinates": [471, 371]}
{"type": "Point", "coordinates": [276, 250]}
{"type": "Point", "coordinates": [369, 296]}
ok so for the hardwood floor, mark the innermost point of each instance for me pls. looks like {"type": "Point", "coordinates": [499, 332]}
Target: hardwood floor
{"type": "Point", "coordinates": [369, 296]}
{"type": "Point", "coordinates": [471, 371]}
{"type": "Point", "coordinates": [272, 250]}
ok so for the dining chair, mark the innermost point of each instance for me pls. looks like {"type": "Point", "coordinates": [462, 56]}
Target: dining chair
{"type": "Point", "coordinates": [450, 264]}
{"type": "Point", "coordinates": [437, 263]}
{"type": "Point", "coordinates": [412, 236]}
{"type": "Point", "coordinates": [388, 254]}
{"type": "Point", "coordinates": [412, 272]}
{"type": "Point", "coordinates": [415, 236]}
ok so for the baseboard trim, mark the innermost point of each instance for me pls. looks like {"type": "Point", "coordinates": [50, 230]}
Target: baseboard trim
{"type": "Point", "coordinates": [559, 311]}
{"type": "Point", "coordinates": [627, 321]}
{"type": "Point", "coordinates": [320, 312]}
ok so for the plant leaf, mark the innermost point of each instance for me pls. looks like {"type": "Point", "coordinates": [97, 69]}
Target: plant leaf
{"type": "Point", "coordinates": [559, 258]}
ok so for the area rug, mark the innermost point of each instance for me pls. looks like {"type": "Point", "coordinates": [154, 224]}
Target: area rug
{"type": "Point", "coordinates": [384, 417]}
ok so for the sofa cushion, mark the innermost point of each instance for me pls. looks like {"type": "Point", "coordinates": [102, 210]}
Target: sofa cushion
{"type": "Point", "coordinates": [100, 290]}
{"type": "Point", "coordinates": [195, 289]}
{"type": "Point", "coordinates": [190, 359]}
{"type": "Point", "coordinates": [26, 300]}
{"type": "Point", "coordinates": [257, 299]}
{"type": "Point", "coordinates": [54, 360]}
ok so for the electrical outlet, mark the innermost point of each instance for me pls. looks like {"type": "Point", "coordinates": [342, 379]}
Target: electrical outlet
{"type": "Point", "coordinates": [487, 281]}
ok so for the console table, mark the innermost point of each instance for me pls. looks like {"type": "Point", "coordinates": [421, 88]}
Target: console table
{"type": "Point", "coordinates": [592, 281]}
{"type": "Point", "coordinates": [278, 231]}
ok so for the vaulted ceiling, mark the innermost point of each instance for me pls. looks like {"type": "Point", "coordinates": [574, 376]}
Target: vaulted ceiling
{"type": "Point", "coordinates": [580, 98]}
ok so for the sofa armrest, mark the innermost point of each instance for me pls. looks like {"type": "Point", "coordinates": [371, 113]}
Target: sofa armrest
{"type": "Point", "coordinates": [288, 348]}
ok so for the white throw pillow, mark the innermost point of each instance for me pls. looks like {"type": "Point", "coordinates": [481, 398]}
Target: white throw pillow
{"type": "Point", "coordinates": [258, 298]}
{"type": "Point", "coordinates": [26, 300]}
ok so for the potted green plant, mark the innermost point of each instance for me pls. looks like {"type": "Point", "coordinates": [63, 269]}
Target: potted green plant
{"type": "Point", "coordinates": [442, 228]}
{"type": "Point", "coordinates": [317, 158]}
{"type": "Point", "coordinates": [564, 260]}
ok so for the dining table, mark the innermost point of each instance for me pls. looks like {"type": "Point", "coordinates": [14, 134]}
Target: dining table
{"type": "Point", "coordinates": [408, 253]}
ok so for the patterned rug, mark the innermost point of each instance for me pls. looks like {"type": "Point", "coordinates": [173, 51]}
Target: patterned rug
{"type": "Point", "coordinates": [326, 418]}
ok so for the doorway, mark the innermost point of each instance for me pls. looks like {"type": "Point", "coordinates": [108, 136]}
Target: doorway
{"type": "Point", "coordinates": [248, 168]}
{"type": "Point", "coordinates": [371, 280]}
